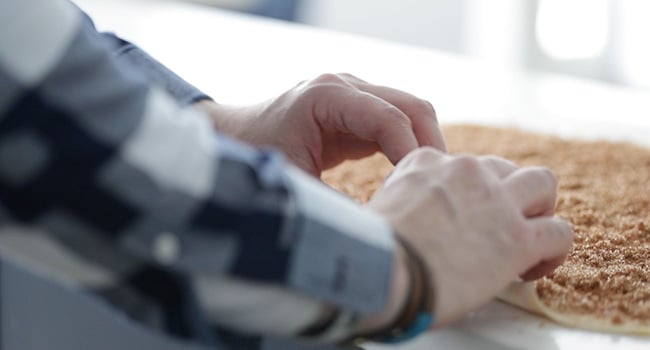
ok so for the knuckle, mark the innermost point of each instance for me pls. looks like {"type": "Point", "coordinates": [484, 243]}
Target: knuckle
{"type": "Point", "coordinates": [488, 160]}
{"type": "Point", "coordinates": [329, 78]}
{"type": "Point", "coordinates": [548, 176]}
{"type": "Point", "coordinates": [389, 118]}
{"type": "Point", "coordinates": [397, 117]}
{"type": "Point", "coordinates": [564, 230]}
{"type": "Point", "coordinates": [425, 106]}
{"type": "Point", "coordinates": [495, 159]}
{"type": "Point", "coordinates": [318, 91]}
{"type": "Point", "coordinates": [302, 83]}
{"type": "Point", "coordinates": [416, 177]}
{"type": "Point", "coordinates": [410, 178]}
{"type": "Point", "coordinates": [522, 234]}
{"type": "Point", "coordinates": [424, 155]}
{"type": "Point", "coordinates": [466, 164]}
{"type": "Point", "coordinates": [309, 94]}
{"type": "Point", "coordinates": [551, 176]}
{"type": "Point", "coordinates": [309, 90]}
{"type": "Point", "coordinates": [500, 164]}
{"type": "Point", "coordinates": [346, 75]}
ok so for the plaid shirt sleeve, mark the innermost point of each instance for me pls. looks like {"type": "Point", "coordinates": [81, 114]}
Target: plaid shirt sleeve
{"type": "Point", "coordinates": [121, 175]}
{"type": "Point", "coordinates": [152, 70]}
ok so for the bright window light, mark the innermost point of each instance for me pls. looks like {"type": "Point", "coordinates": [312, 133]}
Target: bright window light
{"type": "Point", "coordinates": [572, 29]}
{"type": "Point", "coordinates": [635, 47]}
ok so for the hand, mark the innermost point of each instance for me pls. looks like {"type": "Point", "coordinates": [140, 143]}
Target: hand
{"type": "Point", "coordinates": [479, 222]}
{"type": "Point", "coordinates": [324, 121]}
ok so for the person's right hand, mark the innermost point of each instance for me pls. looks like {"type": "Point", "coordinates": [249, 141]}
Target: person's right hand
{"type": "Point", "coordinates": [478, 222]}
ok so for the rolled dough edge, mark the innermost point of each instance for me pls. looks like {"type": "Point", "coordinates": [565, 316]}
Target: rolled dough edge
{"type": "Point", "coordinates": [524, 295]}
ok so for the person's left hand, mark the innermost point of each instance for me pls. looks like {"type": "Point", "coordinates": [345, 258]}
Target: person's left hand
{"type": "Point", "coordinates": [334, 117]}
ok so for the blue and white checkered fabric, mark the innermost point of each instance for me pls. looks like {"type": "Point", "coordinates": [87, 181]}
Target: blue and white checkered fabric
{"type": "Point", "coordinates": [97, 151]}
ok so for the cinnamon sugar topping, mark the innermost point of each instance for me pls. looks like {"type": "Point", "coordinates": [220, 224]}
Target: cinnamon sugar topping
{"type": "Point", "coordinates": [604, 191]}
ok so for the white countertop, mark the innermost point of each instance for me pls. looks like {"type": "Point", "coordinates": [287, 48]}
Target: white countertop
{"type": "Point", "coordinates": [241, 59]}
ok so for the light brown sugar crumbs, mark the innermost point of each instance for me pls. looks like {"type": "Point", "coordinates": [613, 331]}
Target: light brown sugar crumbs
{"type": "Point", "coordinates": [604, 191]}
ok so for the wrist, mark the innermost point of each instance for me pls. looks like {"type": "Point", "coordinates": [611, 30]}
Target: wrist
{"type": "Point", "coordinates": [334, 325]}
{"type": "Point", "coordinates": [224, 118]}
{"type": "Point", "coordinates": [416, 314]}
{"type": "Point", "coordinates": [214, 111]}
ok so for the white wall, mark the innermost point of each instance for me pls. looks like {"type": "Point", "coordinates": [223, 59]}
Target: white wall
{"type": "Point", "coordinates": [439, 24]}
{"type": "Point", "coordinates": [501, 31]}
{"type": "Point", "coordinates": [504, 31]}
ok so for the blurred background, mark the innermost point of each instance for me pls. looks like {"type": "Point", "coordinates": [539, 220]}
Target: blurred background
{"type": "Point", "coordinates": [603, 40]}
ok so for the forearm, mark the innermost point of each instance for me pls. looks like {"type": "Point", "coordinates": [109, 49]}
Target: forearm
{"type": "Point", "coordinates": [225, 119]}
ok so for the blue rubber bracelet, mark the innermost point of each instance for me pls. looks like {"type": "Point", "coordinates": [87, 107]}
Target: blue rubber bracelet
{"type": "Point", "coordinates": [423, 321]}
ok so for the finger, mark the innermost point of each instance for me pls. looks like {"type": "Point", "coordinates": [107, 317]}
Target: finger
{"type": "Point", "coordinates": [554, 240]}
{"type": "Point", "coordinates": [348, 147]}
{"type": "Point", "coordinates": [540, 270]}
{"type": "Point", "coordinates": [502, 167]}
{"type": "Point", "coordinates": [534, 189]}
{"type": "Point", "coordinates": [423, 115]}
{"type": "Point", "coordinates": [369, 118]}
{"type": "Point", "coordinates": [421, 112]}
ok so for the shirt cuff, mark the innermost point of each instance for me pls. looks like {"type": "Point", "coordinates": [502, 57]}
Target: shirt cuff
{"type": "Point", "coordinates": [342, 253]}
